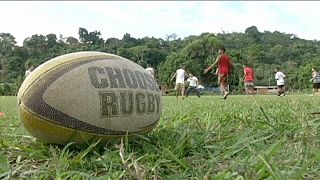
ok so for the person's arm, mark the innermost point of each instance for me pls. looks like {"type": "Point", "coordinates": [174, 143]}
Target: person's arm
{"type": "Point", "coordinates": [253, 75]}
{"type": "Point", "coordinates": [313, 76]}
{"type": "Point", "coordinates": [173, 76]}
{"type": "Point", "coordinates": [231, 63]}
{"type": "Point", "coordinates": [185, 74]}
{"type": "Point", "coordinates": [214, 63]}
{"type": "Point", "coordinates": [244, 74]}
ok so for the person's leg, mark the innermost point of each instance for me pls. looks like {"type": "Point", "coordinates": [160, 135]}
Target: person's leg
{"type": "Point", "coordinates": [278, 90]}
{"type": "Point", "coordinates": [219, 83]}
{"type": "Point", "coordinates": [315, 88]}
{"type": "Point", "coordinates": [194, 89]}
{"type": "Point", "coordinates": [223, 85]}
{"type": "Point", "coordinates": [197, 91]}
{"type": "Point", "coordinates": [282, 90]}
{"type": "Point", "coordinates": [225, 89]}
{"type": "Point", "coordinates": [177, 90]}
{"type": "Point", "coordinates": [251, 90]}
{"type": "Point", "coordinates": [182, 90]}
{"type": "Point", "coordinates": [246, 88]}
{"type": "Point", "coordinates": [188, 91]}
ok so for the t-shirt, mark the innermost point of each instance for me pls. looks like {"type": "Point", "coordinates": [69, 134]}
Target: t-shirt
{"type": "Point", "coordinates": [316, 77]}
{"type": "Point", "coordinates": [193, 81]}
{"type": "Point", "coordinates": [280, 78]}
{"type": "Point", "coordinates": [180, 76]}
{"type": "Point", "coordinates": [150, 71]}
{"type": "Point", "coordinates": [249, 74]}
{"type": "Point", "coordinates": [224, 66]}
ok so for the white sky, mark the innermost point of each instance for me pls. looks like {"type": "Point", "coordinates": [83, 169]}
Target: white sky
{"type": "Point", "coordinates": [158, 18]}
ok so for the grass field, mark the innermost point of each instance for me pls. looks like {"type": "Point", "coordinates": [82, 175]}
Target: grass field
{"type": "Point", "coordinates": [266, 137]}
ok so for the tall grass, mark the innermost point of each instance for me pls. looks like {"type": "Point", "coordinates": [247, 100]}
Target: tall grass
{"type": "Point", "coordinates": [262, 137]}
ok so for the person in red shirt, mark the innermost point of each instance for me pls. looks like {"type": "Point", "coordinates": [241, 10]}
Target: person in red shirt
{"type": "Point", "coordinates": [248, 79]}
{"type": "Point", "coordinates": [224, 69]}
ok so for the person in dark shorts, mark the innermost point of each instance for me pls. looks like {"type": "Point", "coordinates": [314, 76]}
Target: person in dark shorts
{"type": "Point", "coordinates": [193, 84]}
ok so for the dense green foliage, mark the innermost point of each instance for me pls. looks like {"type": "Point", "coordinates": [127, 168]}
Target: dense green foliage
{"type": "Point", "coordinates": [266, 137]}
{"type": "Point", "coordinates": [263, 50]}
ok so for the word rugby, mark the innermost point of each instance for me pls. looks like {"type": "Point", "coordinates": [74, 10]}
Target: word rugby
{"type": "Point", "coordinates": [139, 99]}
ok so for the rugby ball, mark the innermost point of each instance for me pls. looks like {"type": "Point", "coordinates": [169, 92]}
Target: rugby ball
{"type": "Point", "coordinates": [85, 96]}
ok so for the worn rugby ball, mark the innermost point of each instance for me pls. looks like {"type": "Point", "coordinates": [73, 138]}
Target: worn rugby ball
{"type": "Point", "coordinates": [85, 96]}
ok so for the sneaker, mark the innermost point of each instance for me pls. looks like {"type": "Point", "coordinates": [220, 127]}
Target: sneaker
{"type": "Point", "coordinates": [225, 95]}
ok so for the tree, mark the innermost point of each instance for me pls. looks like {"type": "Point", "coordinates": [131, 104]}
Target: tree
{"type": "Point", "coordinates": [72, 41]}
{"type": "Point", "coordinates": [83, 35]}
{"type": "Point", "coordinates": [7, 42]}
{"type": "Point", "coordinates": [253, 33]}
{"type": "Point", "coordinates": [51, 40]}
{"type": "Point", "coordinates": [36, 45]}
{"type": "Point", "coordinates": [128, 41]}
{"type": "Point", "coordinates": [91, 38]}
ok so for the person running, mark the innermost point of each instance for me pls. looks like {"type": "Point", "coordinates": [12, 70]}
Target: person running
{"type": "Point", "coordinates": [316, 80]}
{"type": "Point", "coordinates": [279, 76]}
{"type": "Point", "coordinates": [193, 85]}
{"type": "Point", "coordinates": [180, 75]}
{"type": "Point", "coordinates": [224, 69]}
{"type": "Point", "coordinates": [248, 79]}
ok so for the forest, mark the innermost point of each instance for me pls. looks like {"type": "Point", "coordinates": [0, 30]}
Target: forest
{"type": "Point", "coordinates": [264, 51]}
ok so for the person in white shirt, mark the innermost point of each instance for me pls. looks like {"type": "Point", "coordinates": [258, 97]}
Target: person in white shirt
{"type": "Point", "coordinates": [193, 84]}
{"type": "Point", "coordinates": [279, 76]}
{"type": "Point", "coordinates": [180, 75]}
{"type": "Point", "coordinates": [316, 80]}
{"type": "Point", "coordinates": [150, 70]}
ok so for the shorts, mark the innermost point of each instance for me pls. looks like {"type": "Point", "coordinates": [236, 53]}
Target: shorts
{"type": "Point", "coordinates": [316, 85]}
{"type": "Point", "coordinates": [248, 84]}
{"type": "Point", "coordinates": [280, 86]}
{"type": "Point", "coordinates": [179, 87]}
{"type": "Point", "coordinates": [223, 78]}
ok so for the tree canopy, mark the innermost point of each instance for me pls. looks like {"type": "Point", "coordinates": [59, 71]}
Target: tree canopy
{"type": "Point", "coordinates": [264, 51]}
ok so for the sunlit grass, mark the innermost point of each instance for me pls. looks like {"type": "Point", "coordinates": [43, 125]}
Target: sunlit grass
{"type": "Point", "coordinates": [198, 138]}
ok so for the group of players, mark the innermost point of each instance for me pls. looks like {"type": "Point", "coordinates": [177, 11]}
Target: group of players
{"type": "Point", "coordinates": [224, 66]}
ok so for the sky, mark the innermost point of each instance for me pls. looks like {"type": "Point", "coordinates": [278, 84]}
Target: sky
{"type": "Point", "coordinates": [158, 19]}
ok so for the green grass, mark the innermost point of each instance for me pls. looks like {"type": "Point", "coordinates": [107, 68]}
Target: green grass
{"type": "Point", "coordinates": [266, 137]}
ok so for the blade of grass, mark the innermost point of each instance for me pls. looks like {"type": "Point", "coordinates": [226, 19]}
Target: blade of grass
{"type": "Point", "coordinates": [175, 158]}
{"type": "Point", "coordinates": [4, 165]}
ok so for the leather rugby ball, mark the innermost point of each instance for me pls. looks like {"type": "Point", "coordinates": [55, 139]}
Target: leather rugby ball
{"type": "Point", "coordinates": [85, 96]}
